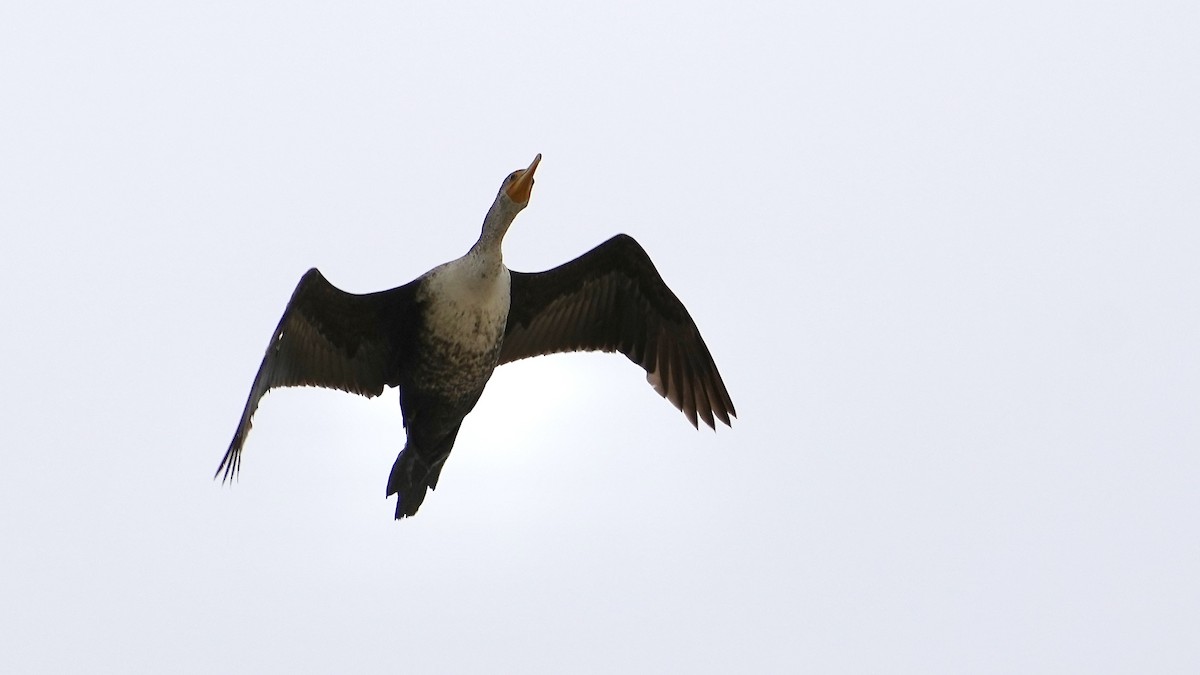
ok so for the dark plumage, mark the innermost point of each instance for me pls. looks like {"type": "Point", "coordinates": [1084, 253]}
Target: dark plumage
{"type": "Point", "coordinates": [439, 337]}
{"type": "Point", "coordinates": [612, 299]}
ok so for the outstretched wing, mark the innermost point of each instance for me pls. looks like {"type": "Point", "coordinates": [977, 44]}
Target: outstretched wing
{"type": "Point", "coordinates": [333, 339]}
{"type": "Point", "coordinates": [613, 299]}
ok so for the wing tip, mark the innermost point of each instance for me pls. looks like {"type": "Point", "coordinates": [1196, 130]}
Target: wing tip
{"type": "Point", "coordinates": [231, 463]}
{"type": "Point", "coordinates": [227, 471]}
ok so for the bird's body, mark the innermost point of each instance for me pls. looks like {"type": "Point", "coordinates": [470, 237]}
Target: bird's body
{"type": "Point", "coordinates": [466, 308]}
{"type": "Point", "coordinates": [440, 337]}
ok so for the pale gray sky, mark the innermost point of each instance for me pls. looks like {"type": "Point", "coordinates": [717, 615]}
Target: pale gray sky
{"type": "Point", "coordinates": [944, 253]}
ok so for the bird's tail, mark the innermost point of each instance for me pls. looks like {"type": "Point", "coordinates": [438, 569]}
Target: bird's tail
{"type": "Point", "coordinates": [414, 473]}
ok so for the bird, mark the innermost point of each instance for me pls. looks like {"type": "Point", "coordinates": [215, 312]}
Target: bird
{"type": "Point", "coordinates": [439, 338]}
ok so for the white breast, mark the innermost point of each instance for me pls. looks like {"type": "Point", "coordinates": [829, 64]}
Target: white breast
{"type": "Point", "coordinates": [467, 304]}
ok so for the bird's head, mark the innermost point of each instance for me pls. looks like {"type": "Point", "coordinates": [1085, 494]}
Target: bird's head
{"type": "Point", "coordinates": [519, 184]}
{"type": "Point", "coordinates": [513, 196]}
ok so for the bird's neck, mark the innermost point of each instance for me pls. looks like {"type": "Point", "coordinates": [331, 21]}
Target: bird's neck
{"type": "Point", "coordinates": [487, 250]}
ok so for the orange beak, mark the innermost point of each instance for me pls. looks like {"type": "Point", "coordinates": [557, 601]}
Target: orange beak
{"type": "Point", "coordinates": [521, 188]}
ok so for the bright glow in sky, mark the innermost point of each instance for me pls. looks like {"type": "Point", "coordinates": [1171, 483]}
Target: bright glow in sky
{"type": "Point", "coordinates": [945, 255]}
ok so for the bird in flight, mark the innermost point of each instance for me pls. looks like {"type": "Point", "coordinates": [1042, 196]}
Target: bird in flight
{"type": "Point", "coordinates": [439, 337]}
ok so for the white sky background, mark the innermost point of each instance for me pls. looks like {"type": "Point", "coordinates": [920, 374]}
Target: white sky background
{"type": "Point", "coordinates": [945, 255]}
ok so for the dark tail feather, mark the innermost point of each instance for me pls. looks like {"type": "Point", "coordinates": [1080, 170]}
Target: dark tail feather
{"type": "Point", "coordinates": [412, 476]}
{"type": "Point", "coordinates": [418, 467]}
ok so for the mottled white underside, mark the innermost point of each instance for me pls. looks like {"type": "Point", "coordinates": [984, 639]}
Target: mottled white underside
{"type": "Point", "coordinates": [467, 303]}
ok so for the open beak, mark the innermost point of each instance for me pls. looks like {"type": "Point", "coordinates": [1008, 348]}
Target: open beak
{"type": "Point", "coordinates": [520, 188]}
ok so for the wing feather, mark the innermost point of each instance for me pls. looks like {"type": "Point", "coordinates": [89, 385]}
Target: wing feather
{"type": "Point", "coordinates": [333, 339]}
{"type": "Point", "coordinates": [612, 299]}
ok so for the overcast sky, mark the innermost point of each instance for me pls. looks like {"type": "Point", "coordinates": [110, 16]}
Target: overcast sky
{"type": "Point", "coordinates": [945, 255]}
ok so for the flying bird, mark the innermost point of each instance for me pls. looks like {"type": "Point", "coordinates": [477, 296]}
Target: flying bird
{"type": "Point", "coordinates": [439, 337]}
